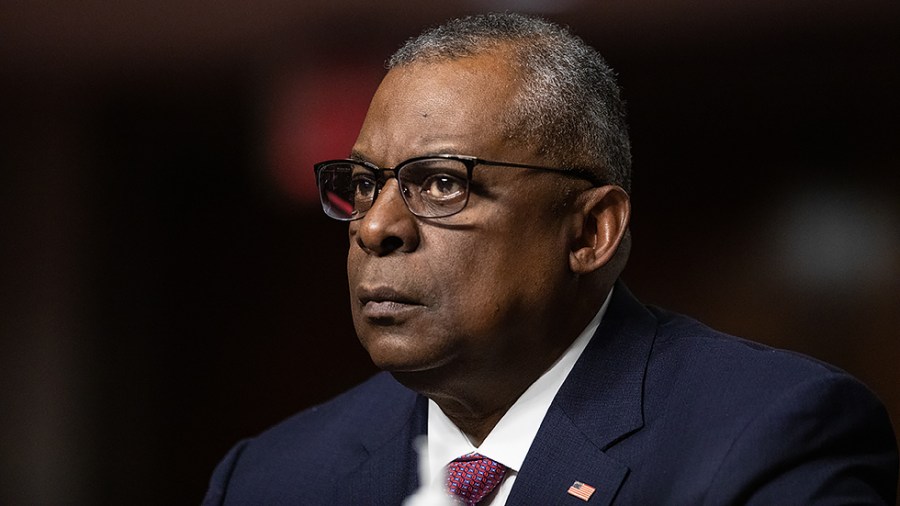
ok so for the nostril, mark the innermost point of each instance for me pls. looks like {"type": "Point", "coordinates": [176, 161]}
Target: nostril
{"type": "Point", "coordinates": [391, 243]}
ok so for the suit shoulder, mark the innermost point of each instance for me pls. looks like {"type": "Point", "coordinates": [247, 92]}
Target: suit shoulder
{"type": "Point", "coordinates": [356, 413]}
{"type": "Point", "coordinates": [702, 351]}
{"type": "Point", "coordinates": [697, 373]}
{"type": "Point", "coordinates": [319, 444]}
{"type": "Point", "coordinates": [747, 422]}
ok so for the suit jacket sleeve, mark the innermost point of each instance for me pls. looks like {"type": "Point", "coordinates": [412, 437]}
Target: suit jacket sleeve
{"type": "Point", "coordinates": [827, 440]}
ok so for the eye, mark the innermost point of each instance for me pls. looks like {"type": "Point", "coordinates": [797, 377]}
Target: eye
{"type": "Point", "coordinates": [363, 187]}
{"type": "Point", "coordinates": [443, 187]}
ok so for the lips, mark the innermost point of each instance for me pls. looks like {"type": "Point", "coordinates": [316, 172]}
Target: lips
{"type": "Point", "coordinates": [385, 303]}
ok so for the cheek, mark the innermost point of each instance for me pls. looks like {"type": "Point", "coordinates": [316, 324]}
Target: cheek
{"type": "Point", "coordinates": [487, 282]}
{"type": "Point", "coordinates": [354, 257]}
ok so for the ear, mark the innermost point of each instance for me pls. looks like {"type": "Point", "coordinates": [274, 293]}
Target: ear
{"type": "Point", "coordinates": [602, 216]}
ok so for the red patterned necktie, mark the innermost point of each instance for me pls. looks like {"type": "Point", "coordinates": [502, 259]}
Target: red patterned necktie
{"type": "Point", "coordinates": [472, 477]}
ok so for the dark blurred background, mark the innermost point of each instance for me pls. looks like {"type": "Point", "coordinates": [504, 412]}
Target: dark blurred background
{"type": "Point", "coordinates": [169, 284]}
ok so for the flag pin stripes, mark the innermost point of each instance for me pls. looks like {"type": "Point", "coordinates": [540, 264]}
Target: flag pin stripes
{"type": "Point", "coordinates": [581, 490]}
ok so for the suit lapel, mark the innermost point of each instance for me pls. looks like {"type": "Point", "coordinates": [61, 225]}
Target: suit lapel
{"type": "Point", "coordinates": [599, 404]}
{"type": "Point", "coordinates": [390, 472]}
{"type": "Point", "coordinates": [560, 456]}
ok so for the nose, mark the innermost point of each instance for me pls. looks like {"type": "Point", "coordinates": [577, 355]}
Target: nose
{"type": "Point", "coordinates": [388, 226]}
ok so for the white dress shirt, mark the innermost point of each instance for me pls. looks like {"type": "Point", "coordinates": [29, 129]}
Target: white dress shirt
{"type": "Point", "coordinates": [509, 441]}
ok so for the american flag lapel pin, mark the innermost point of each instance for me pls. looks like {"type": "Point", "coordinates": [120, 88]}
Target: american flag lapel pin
{"type": "Point", "coordinates": [581, 490]}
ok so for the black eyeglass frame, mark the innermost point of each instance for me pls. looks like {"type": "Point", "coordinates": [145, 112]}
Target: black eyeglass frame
{"type": "Point", "coordinates": [468, 161]}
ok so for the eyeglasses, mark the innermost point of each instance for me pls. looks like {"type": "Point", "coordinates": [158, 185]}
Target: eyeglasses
{"type": "Point", "coordinates": [434, 186]}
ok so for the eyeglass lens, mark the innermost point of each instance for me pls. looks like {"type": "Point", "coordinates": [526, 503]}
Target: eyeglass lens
{"type": "Point", "coordinates": [431, 188]}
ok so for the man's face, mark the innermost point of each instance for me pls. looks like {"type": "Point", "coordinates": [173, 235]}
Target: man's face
{"type": "Point", "coordinates": [471, 292]}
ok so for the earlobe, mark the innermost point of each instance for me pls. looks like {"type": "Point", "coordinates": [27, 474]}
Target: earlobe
{"type": "Point", "coordinates": [603, 214]}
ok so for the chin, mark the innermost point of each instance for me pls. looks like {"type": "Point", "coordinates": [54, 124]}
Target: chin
{"type": "Point", "coordinates": [432, 382]}
{"type": "Point", "coordinates": [393, 363]}
{"type": "Point", "coordinates": [403, 355]}
{"type": "Point", "coordinates": [405, 349]}
{"type": "Point", "coordinates": [394, 355]}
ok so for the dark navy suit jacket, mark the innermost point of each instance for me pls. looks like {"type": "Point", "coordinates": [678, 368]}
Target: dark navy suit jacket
{"type": "Point", "coordinates": [659, 410]}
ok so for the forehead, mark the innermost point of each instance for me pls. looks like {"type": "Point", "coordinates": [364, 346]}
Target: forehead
{"type": "Point", "coordinates": [451, 106]}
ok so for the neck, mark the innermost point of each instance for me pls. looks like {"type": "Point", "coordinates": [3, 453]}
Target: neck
{"type": "Point", "coordinates": [476, 394]}
{"type": "Point", "coordinates": [476, 425]}
{"type": "Point", "coordinates": [474, 403]}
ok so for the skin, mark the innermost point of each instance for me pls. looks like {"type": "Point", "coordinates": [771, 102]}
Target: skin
{"type": "Point", "coordinates": [471, 309]}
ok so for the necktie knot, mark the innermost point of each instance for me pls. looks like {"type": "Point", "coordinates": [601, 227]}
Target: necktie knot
{"type": "Point", "coordinates": [473, 476]}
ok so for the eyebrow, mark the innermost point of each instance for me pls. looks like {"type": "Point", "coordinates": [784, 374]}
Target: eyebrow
{"type": "Point", "coordinates": [356, 155]}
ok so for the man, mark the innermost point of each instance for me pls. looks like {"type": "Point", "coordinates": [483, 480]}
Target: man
{"type": "Point", "coordinates": [488, 209]}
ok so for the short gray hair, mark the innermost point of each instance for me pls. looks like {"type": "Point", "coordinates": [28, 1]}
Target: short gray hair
{"type": "Point", "coordinates": [570, 104]}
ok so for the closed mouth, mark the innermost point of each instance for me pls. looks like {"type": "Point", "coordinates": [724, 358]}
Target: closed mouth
{"type": "Point", "coordinates": [385, 304]}
{"type": "Point", "coordinates": [384, 295]}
